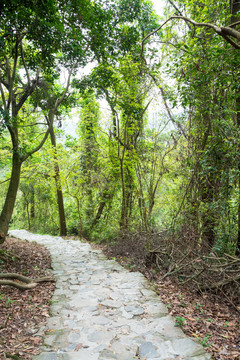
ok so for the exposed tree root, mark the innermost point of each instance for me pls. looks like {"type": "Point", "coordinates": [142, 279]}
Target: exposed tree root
{"type": "Point", "coordinates": [26, 283]}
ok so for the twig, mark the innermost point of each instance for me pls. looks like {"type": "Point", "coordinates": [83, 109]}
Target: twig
{"type": "Point", "coordinates": [2, 182]}
{"type": "Point", "coordinates": [177, 270]}
{"type": "Point", "coordinates": [228, 299]}
{"type": "Point", "coordinates": [192, 277]}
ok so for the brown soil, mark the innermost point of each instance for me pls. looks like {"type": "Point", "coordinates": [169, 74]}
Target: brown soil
{"type": "Point", "coordinates": [22, 313]}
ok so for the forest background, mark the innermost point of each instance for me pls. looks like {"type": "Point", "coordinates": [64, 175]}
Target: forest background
{"type": "Point", "coordinates": [162, 185]}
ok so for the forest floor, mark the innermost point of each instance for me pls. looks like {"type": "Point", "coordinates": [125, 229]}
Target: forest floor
{"type": "Point", "coordinates": [205, 316]}
{"type": "Point", "coordinates": [23, 313]}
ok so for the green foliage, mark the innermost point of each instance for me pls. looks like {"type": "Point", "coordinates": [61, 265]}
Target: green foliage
{"type": "Point", "coordinates": [205, 341]}
{"type": "Point", "coordinates": [179, 321]}
{"type": "Point", "coordinates": [9, 302]}
{"type": "Point", "coordinates": [203, 66]}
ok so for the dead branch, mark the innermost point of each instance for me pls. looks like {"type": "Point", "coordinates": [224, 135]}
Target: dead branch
{"type": "Point", "coordinates": [193, 276]}
{"type": "Point", "coordinates": [220, 283]}
{"type": "Point", "coordinates": [178, 269]}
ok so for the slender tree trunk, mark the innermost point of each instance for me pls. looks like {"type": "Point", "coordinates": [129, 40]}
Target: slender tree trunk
{"type": "Point", "coordinates": [238, 123]}
{"type": "Point", "coordinates": [61, 211]}
{"type": "Point", "coordinates": [28, 215]}
{"type": "Point", "coordinates": [107, 196]}
{"type": "Point", "coordinates": [8, 206]}
{"type": "Point", "coordinates": [32, 203]}
{"type": "Point", "coordinates": [79, 216]}
{"type": "Point", "coordinates": [123, 220]}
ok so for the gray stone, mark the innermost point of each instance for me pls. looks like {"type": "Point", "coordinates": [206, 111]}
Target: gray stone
{"type": "Point", "coordinates": [120, 348]}
{"type": "Point", "coordinates": [156, 308]}
{"type": "Point", "coordinates": [46, 356]}
{"type": "Point", "coordinates": [166, 327]}
{"type": "Point", "coordinates": [134, 310]}
{"type": "Point", "coordinates": [101, 320]}
{"type": "Point", "coordinates": [74, 337]}
{"type": "Point", "coordinates": [80, 355]}
{"type": "Point", "coordinates": [111, 304]}
{"type": "Point", "coordinates": [110, 355]}
{"type": "Point", "coordinates": [148, 349]}
{"type": "Point", "coordinates": [102, 337]}
{"type": "Point", "coordinates": [187, 347]}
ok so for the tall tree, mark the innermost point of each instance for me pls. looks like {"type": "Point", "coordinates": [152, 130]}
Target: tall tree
{"type": "Point", "coordinates": [22, 49]}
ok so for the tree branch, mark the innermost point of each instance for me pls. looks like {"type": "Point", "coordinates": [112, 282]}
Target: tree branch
{"type": "Point", "coordinates": [12, 78]}
{"type": "Point", "coordinates": [24, 63]}
{"type": "Point", "coordinates": [3, 95]}
{"type": "Point", "coordinates": [220, 283]}
{"type": "Point", "coordinates": [235, 24]}
{"type": "Point", "coordinates": [223, 31]}
{"type": "Point", "coordinates": [29, 90]}
{"type": "Point", "coordinates": [23, 158]}
{"type": "Point", "coordinates": [2, 182]}
{"type": "Point", "coordinates": [58, 101]}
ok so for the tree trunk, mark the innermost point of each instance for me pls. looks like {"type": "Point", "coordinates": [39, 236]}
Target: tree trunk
{"type": "Point", "coordinates": [107, 196]}
{"type": "Point", "coordinates": [123, 220]}
{"type": "Point", "coordinates": [238, 123]}
{"type": "Point", "coordinates": [32, 204]}
{"type": "Point", "coordinates": [80, 217]}
{"type": "Point", "coordinates": [8, 206]}
{"type": "Point", "coordinates": [28, 216]}
{"type": "Point", "coordinates": [61, 211]}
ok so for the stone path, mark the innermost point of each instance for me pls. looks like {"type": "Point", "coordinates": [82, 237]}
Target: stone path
{"type": "Point", "coordinates": [100, 311]}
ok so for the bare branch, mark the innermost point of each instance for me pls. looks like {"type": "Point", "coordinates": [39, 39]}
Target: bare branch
{"type": "Point", "coordinates": [58, 101]}
{"type": "Point", "coordinates": [3, 95]}
{"type": "Point", "coordinates": [223, 31]}
{"type": "Point", "coordinates": [23, 126]}
{"type": "Point", "coordinates": [28, 91]}
{"type": "Point", "coordinates": [2, 182]}
{"type": "Point", "coordinates": [23, 158]}
{"type": "Point", "coordinates": [24, 63]}
{"type": "Point", "coordinates": [235, 24]}
{"type": "Point", "coordinates": [175, 7]}
{"type": "Point", "coordinates": [11, 83]}
{"type": "Point", "coordinates": [220, 283]}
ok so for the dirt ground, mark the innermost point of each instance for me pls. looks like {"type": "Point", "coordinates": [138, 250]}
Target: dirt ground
{"type": "Point", "coordinates": [23, 313]}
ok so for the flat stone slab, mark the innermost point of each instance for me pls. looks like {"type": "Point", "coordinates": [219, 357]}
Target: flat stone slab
{"type": "Point", "coordinates": [100, 311]}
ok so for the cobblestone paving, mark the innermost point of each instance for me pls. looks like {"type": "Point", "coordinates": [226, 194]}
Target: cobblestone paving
{"type": "Point", "coordinates": [100, 311]}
